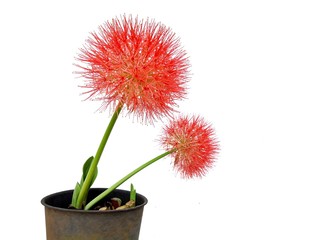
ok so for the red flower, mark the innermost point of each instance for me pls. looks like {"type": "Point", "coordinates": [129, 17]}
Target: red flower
{"type": "Point", "coordinates": [194, 143]}
{"type": "Point", "coordinates": [137, 63]}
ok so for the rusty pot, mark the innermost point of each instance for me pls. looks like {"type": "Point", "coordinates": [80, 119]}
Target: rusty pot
{"type": "Point", "coordinates": [72, 224]}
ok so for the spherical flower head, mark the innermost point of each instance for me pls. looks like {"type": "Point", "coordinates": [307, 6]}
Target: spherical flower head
{"type": "Point", "coordinates": [194, 145]}
{"type": "Point", "coordinates": [135, 63]}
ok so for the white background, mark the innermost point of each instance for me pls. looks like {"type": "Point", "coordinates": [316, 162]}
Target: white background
{"type": "Point", "coordinates": [255, 67]}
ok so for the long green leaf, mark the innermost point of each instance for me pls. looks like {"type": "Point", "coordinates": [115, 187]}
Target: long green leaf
{"type": "Point", "coordinates": [77, 189]}
{"type": "Point", "coordinates": [75, 195]}
{"type": "Point", "coordinates": [85, 170]}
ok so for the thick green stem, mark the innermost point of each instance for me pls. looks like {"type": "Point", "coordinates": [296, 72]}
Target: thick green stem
{"type": "Point", "coordinates": [88, 181]}
{"type": "Point", "coordinates": [122, 180]}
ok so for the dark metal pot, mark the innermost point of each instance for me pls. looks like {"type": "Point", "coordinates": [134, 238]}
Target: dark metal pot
{"type": "Point", "coordinates": [72, 224]}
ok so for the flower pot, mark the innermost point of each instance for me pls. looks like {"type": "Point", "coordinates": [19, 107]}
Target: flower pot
{"type": "Point", "coordinates": [72, 224]}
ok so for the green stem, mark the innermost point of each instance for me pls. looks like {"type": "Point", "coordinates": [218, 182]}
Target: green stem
{"type": "Point", "coordinates": [88, 180]}
{"type": "Point", "coordinates": [122, 180]}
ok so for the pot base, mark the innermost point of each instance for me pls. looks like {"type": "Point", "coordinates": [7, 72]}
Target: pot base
{"type": "Point", "coordinates": [71, 224]}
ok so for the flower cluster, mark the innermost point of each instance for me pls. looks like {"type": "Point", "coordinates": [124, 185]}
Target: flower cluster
{"type": "Point", "coordinates": [194, 143]}
{"type": "Point", "coordinates": [139, 65]}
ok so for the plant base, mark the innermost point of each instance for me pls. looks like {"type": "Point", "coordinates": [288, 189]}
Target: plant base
{"type": "Point", "coordinates": [71, 224]}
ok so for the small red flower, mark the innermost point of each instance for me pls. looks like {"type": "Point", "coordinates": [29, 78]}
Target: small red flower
{"type": "Point", "coordinates": [194, 143]}
{"type": "Point", "coordinates": [136, 63]}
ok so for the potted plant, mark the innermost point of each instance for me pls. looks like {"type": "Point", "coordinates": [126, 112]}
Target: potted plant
{"type": "Point", "coordinates": [138, 67]}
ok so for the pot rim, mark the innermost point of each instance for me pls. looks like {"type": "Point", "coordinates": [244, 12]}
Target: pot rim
{"type": "Point", "coordinates": [43, 202]}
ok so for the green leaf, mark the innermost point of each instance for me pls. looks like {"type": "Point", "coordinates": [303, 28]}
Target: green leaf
{"type": "Point", "coordinates": [75, 194]}
{"type": "Point", "coordinates": [85, 170]}
{"type": "Point", "coordinates": [132, 193]}
{"type": "Point", "coordinates": [77, 189]}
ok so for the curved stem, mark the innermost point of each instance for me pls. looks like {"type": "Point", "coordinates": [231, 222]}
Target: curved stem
{"type": "Point", "coordinates": [88, 180]}
{"type": "Point", "coordinates": [122, 180]}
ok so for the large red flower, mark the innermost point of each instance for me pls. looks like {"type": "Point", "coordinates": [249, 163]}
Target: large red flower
{"type": "Point", "coordinates": [194, 143]}
{"type": "Point", "coordinates": [136, 63]}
